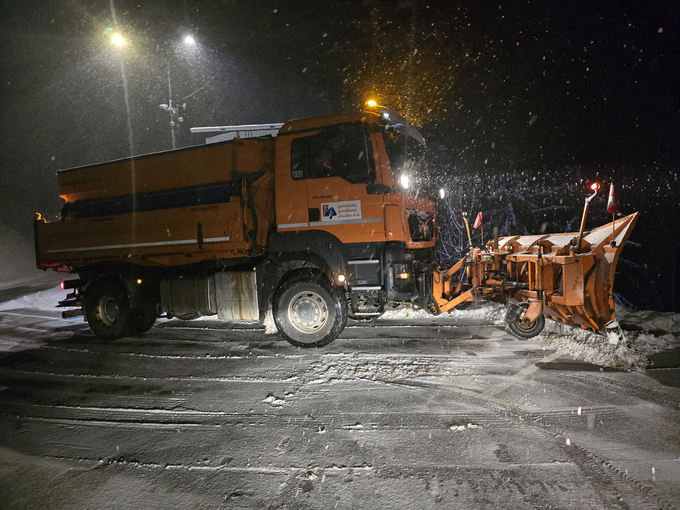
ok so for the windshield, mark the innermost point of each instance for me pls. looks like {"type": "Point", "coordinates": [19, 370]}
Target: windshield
{"type": "Point", "coordinates": [407, 160]}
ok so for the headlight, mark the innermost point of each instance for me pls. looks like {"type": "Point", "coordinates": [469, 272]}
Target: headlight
{"type": "Point", "coordinates": [404, 181]}
{"type": "Point", "coordinates": [400, 271]}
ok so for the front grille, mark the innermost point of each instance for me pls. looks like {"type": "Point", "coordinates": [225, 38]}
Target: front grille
{"type": "Point", "coordinates": [420, 224]}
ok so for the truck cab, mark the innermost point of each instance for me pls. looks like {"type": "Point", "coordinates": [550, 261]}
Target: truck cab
{"type": "Point", "coordinates": [352, 193]}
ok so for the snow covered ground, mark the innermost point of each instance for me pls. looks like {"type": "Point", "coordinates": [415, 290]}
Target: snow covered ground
{"type": "Point", "coordinates": [407, 411]}
{"type": "Point", "coordinates": [644, 333]}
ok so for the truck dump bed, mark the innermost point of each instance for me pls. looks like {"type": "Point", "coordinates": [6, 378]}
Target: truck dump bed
{"type": "Point", "coordinates": [164, 209]}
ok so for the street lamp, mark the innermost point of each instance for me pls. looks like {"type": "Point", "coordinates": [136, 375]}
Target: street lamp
{"type": "Point", "coordinates": [119, 41]}
{"type": "Point", "coordinates": [174, 110]}
{"type": "Point", "coordinates": [175, 117]}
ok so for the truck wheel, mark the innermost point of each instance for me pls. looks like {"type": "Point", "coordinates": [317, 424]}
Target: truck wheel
{"type": "Point", "coordinates": [107, 310]}
{"type": "Point", "coordinates": [308, 312]}
{"type": "Point", "coordinates": [143, 319]}
{"type": "Point", "coordinates": [186, 316]}
{"type": "Point", "coordinates": [364, 318]}
{"type": "Point", "coordinates": [525, 329]}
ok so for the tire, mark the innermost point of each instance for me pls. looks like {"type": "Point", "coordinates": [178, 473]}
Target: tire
{"type": "Point", "coordinates": [143, 319]}
{"type": "Point", "coordinates": [308, 312]}
{"type": "Point", "coordinates": [365, 318]}
{"type": "Point", "coordinates": [107, 310]}
{"type": "Point", "coordinates": [186, 316]}
{"type": "Point", "coordinates": [525, 329]}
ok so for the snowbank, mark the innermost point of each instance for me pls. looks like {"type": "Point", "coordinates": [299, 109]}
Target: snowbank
{"type": "Point", "coordinates": [649, 321]}
{"type": "Point", "coordinates": [17, 260]}
{"type": "Point", "coordinates": [17, 263]}
{"type": "Point", "coordinates": [644, 333]}
{"type": "Point", "coordinates": [16, 256]}
{"type": "Point", "coordinates": [486, 311]}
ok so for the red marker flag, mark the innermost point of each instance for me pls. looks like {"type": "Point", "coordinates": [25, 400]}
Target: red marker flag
{"type": "Point", "coordinates": [478, 221]}
{"type": "Point", "coordinates": [612, 205]}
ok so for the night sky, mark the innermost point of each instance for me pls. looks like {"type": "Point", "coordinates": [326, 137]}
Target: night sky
{"type": "Point", "coordinates": [531, 86]}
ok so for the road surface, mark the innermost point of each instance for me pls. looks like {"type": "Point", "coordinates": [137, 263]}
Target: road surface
{"type": "Point", "coordinates": [406, 413]}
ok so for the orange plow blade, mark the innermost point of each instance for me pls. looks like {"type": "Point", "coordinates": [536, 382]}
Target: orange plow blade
{"type": "Point", "coordinates": [551, 274]}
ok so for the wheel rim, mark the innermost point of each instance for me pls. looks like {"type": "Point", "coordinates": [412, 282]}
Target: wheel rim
{"type": "Point", "coordinates": [308, 312]}
{"type": "Point", "coordinates": [525, 325]}
{"type": "Point", "coordinates": [107, 311]}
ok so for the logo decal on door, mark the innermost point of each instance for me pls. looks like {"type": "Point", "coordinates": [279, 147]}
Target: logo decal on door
{"type": "Point", "coordinates": [333, 211]}
{"type": "Point", "coordinates": [329, 212]}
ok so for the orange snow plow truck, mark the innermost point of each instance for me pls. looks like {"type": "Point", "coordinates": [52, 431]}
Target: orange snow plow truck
{"type": "Point", "coordinates": [310, 227]}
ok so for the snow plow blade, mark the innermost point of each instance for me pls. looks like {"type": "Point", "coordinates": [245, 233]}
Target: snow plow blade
{"type": "Point", "coordinates": [566, 277]}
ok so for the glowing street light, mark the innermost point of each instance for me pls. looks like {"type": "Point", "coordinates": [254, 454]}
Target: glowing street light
{"type": "Point", "coordinates": [172, 107]}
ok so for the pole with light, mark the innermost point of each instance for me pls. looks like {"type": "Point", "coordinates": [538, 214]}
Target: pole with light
{"type": "Point", "coordinates": [576, 243]}
{"type": "Point", "coordinates": [174, 110]}
{"type": "Point", "coordinates": [119, 41]}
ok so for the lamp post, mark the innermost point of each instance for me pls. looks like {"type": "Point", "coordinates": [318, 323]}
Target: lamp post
{"type": "Point", "coordinates": [174, 110]}
{"type": "Point", "coordinates": [119, 41]}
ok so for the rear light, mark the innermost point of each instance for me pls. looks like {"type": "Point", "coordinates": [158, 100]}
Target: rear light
{"type": "Point", "coordinates": [71, 284]}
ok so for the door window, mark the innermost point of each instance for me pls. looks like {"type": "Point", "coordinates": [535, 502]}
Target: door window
{"type": "Point", "coordinates": [334, 152]}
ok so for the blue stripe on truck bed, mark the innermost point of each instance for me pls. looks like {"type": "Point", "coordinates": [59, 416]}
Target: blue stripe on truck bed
{"type": "Point", "coordinates": [142, 202]}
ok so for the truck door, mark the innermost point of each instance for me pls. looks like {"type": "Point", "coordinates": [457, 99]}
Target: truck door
{"type": "Point", "coordinates": [291, 184]}
{"type": "Point", "coordinates": [338, 165]}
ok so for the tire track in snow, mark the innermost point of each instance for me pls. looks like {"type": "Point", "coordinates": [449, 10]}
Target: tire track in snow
{"type": "Point", "coordinates": [663, 396]}
{"type": "Point", "coordinates": [620, 486]}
